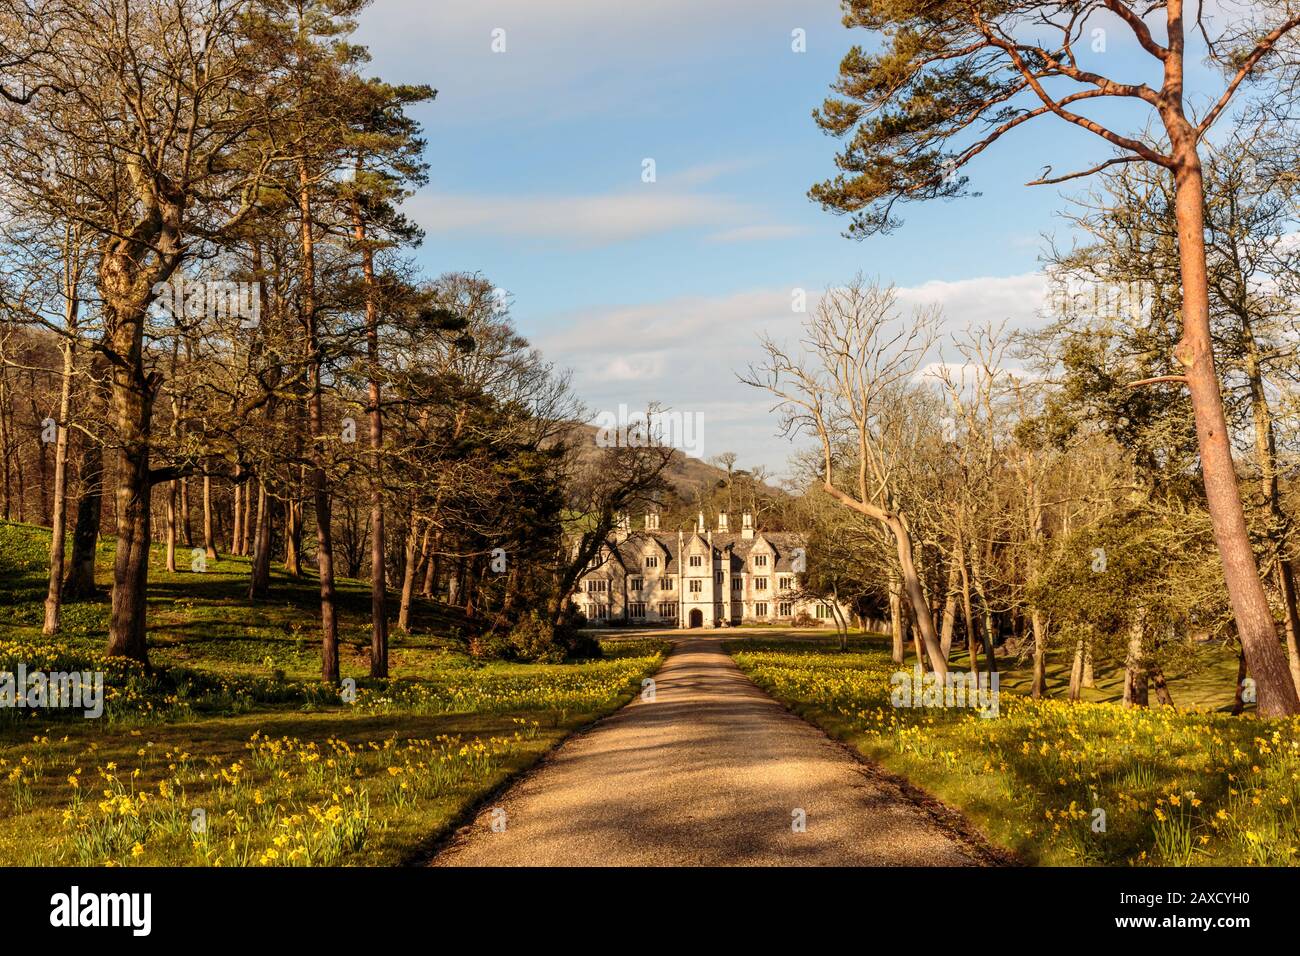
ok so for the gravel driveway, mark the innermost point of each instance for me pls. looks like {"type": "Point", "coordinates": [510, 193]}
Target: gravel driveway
{"type": "Point", "coordinates": [711, 772]}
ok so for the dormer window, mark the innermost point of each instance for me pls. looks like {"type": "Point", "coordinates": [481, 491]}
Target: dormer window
{"type": "Point", "coordinates": [697, 561]}
{"type": "Point", "coordinates": [760, 560]}
{"type": "Point", "coordinates": [652, 561]}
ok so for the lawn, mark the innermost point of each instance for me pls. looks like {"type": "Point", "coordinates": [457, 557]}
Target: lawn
{"type": "Point", "coordinates": [1060, 783]}
{"type": "Point", "coordinates": [230, 751]}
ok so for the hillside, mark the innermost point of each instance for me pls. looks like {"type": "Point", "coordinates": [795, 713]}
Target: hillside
{"type": "Point", "coordinates": [686, 475]}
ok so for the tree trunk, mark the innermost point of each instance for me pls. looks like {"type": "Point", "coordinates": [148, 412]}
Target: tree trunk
{"type": "Point", "coordinates": [316, 422]}
{"type": "Point", "coordinates": [921, 615]}
{"type": "Point", "coordinates": [1076, 670]}
{"type": "Point", "coordinates": [259, 584]}
{"type": "Point", "coordinates": [246, 538]}
{"type": "Point", "coordinates": [1161, 685]}
{"type": "Point", "coordinates": [6, 442]}
{"type": "Point", "coordinates": [187, 528]}
{"type": "Point", "coordinates": [378, 584]}
{"type": "Point", "coordinates": [1135, 665]}
{"type": "Point", "coordinates": [237, 516]}
{"type": "Point", "coordinates": [1264, 655]}
{"type": "Point", "coordinates": [59, 519]}
{"type": "Point", "coordinates": [80, 582]}
{"type": "Point", "coordinates": [967, 612]}
{"type": "Point", "coordinates": [293, 537]}
{"type": "Point", "coordinates": [1039, 627]}
{"type": "Point", "coordinates": [209, 540]}
{"type": "Point", "coordinates": [171, 527]}
{"type": "Point", "coordinates": [430, 587]}
{"type": "Point", "coordinates": [454, 596]}
{"type": "Point", "coordinates": [408, 577]}
{"type": "Point", "coordinates": [132, 403]}
{"type": "Point", "coordinates": [949, 612]}
{"type": "Point", "coordinates": [896, 624]}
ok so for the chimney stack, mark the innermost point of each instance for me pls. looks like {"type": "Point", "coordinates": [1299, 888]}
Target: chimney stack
{"type": "Point", "coordinates": [652, 521]}
{"type": "Point", "coordinates": [699, 523]}
{"type": "Point", "coordinates": [747, 526]}
{"type": "Point", "coordinates": [722, 522]}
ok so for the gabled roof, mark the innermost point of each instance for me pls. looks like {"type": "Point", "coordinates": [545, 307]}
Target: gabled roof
{"type": "Point", "coordinates": [628, 552]}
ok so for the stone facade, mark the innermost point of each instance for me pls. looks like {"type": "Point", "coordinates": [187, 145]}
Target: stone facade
{"type": "Point", "coordinates": [702, 578]}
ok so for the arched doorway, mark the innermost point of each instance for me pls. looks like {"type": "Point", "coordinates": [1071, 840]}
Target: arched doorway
{"type": "Point", "coordinates": [697, 618]}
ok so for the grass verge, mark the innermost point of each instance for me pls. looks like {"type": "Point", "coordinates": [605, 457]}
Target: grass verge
{"type": "Point", "coordinates": [1059, 783]}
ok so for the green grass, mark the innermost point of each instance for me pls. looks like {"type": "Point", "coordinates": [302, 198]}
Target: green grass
{"type": "Point", "coordinates": [231, 725]}
{"type": "Point", "coordinates": [1175, 787]}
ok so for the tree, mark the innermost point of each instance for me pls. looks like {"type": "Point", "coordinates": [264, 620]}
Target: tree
{"type": "Point", "coordinates": [860, 356]}
{"type": "Point", "coordinates": [950, 82]}
{"type": "Point", "coordinates": [143, 103]}
{"type": "Point", "coordinates": [387, 164]}
{"type": "Point", "coordinates": [1098, 347]}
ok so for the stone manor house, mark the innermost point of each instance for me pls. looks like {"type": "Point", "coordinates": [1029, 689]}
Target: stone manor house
{"type": "Point", "coordinates": [703, 578]}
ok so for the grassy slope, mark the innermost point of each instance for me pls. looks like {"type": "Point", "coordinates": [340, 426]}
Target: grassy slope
{"type": "Point", "coordinates": [258, 664]}
{"type": "Point", "coordinates": [1176, 788]}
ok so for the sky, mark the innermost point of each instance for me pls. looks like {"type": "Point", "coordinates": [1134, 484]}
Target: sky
{"type": "Point", "coordinates": [538, 142]}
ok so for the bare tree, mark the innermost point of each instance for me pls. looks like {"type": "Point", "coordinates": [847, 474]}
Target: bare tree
{"type": "Point", "coordinates": [860, 354]}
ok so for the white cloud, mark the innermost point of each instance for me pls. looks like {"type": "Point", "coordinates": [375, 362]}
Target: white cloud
{"type": "Point", "coordinates": [979, 301]}
{"type": "Point", "coordinates": [584, 220]}
{"type": "Point", "coordinates": [757, 233]}
{"type": "Point", "coordinates": [647, 209]}
{"type": "Point", "coordinates": [686, 352]}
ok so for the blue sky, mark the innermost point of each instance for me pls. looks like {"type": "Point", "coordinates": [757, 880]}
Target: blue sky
{"type": "Point", "coordinates": [658, 291]}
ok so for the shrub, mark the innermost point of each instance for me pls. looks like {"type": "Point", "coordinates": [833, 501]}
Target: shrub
{"type": "Point", "coordinates": [534, 638]}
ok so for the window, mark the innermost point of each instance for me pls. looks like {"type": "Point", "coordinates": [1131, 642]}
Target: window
{"type": "Point", "coordinates": [597, 586]}
{"type": "Point", "coordinates": [666, 584]}
{"type": "Point", "coordinates": [697, 586]}
{"type": "Point", "coordinates": [785, 583]}
{"type": "Point", "coordinates": [667, 608]}
{"type": "Point", "coordinates": [697, 561]}
{"type": "Point", "coordinates": [760, 560]}
{"type": "Point", "coordinates": [718, 577]}
{"type": "Point", "coordinates": [784, 609]}
{"type": "Point", "coordinates": [737, 585]}
{"type": "Point", "coordinates": [597, 612]}
{"type": "Point", "coordinates": [822, 611]}
{"type": "Point", "coordinates": [634, 583]}
{"type": "Point", "coordinates": [652, 561]}
{"type": "Point", "coordinates": [760, 584]}
{"type": "Point", "coordinates": [760, 609]}
{"type": "Point", "coordinates": [636, 609]}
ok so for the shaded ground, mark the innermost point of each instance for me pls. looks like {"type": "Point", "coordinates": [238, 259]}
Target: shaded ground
{"type": "Point", "coordinates": [711, 771]}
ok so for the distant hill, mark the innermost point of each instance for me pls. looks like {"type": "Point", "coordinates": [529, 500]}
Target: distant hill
{"type": "Point", "coordinates": [684, 474]}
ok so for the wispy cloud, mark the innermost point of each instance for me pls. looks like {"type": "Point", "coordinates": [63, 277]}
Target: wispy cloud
{"type": "Point", "coordinates": [757, 233]}
{"type": "Point", "coordinates": [669, 204]}
{"type": "Point", "coordinates": [686, 352]}
{"type": "Point", "coordinates": [582, 220]}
